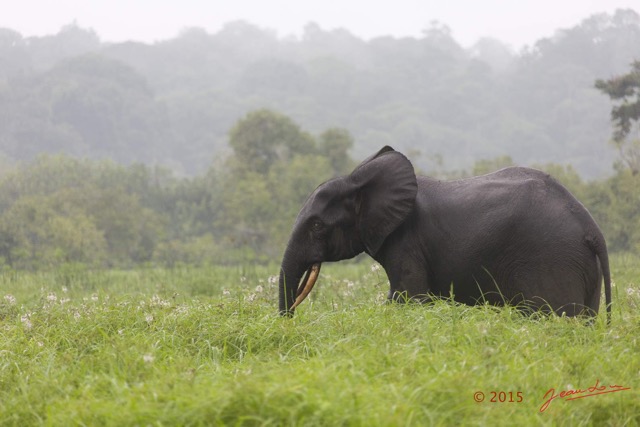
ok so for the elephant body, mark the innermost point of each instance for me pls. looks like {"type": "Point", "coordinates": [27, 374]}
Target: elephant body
{"type": "Point", "coordinates": [514, 236]}
{"type": "Point", "coordinates": [489, 238]}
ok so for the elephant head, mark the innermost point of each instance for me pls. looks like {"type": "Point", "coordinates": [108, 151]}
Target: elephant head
{"type": "Point", "coordinates": [344, 217]}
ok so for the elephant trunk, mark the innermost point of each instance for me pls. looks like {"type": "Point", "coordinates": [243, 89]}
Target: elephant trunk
{"type": "Point", "coordinates": [291, 272]}
{"type": "Point", "coordinates": [291, 290]}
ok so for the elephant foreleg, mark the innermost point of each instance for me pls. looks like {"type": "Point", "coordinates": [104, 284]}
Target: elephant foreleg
{"type": "Point", "coordinates": [407, 278]}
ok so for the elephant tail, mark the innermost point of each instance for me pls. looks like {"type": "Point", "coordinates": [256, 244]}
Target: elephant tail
{"type": "Point", "coordinates": [604, 265]}
{"type": "Point", "coordinates": [599, 247]}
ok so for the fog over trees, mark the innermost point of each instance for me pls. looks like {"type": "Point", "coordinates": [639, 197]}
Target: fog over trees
{"type": "Point", "coordinates": [202, 148]}
{"type": "Point", "coordinates": [174, 102]}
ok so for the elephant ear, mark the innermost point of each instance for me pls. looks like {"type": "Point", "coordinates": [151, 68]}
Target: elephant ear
{"type": "Point", "coordinates": [386, 190]}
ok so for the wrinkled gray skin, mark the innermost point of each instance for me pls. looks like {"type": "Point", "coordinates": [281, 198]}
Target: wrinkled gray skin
{"type": "Point", "coordinates": [513, 236]}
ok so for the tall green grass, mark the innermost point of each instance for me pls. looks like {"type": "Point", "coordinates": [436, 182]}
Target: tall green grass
{"type": "Point", "coordinates": [205, 347]}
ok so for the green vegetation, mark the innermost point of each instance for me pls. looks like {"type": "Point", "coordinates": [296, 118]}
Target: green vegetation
{"type": "Point", "coordinates": [625, 90]}
{"type": "Point", "coordinates": [205, 347]}
{"type": "Point", "coordinates": [58, 211]}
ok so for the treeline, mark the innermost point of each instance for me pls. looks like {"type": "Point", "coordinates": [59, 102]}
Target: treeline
{"type": "Point", "coordinates": [173, 102]}
{"type": "Point", "coordinates": [59, 210]}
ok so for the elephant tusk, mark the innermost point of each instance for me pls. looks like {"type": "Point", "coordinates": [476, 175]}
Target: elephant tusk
{"type": "Point", "coordinates": [303, 283]}
{"type": "Point", "coordinates": [309, 281]}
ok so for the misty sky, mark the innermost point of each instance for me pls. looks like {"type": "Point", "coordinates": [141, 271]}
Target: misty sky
{"type": "Point", "coordinates": [516, 22]}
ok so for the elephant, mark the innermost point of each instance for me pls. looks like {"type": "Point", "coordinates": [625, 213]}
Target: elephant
{"type": "Point", "coordinates": [516, 236]}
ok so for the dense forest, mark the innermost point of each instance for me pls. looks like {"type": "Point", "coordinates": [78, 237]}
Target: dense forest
{"type": "Point", "coordinates": [58, 210]}
{"type": "Point", "coordinates": [173, 102]}
{"type": "Point", "coordinates": [201, 149]}
{"type": "Point", "coordinates": [61, 210]}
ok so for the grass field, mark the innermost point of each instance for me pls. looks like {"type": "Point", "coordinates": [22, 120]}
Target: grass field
{"type": "Point", "coordinates": [205, 347]}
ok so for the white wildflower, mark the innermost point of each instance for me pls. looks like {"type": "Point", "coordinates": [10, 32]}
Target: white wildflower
{"type": "Point", "coordinates": [259, 288]}
{"type": "Point", "coordinates": [181, 309]}
{"type": "Point", "coordinates": [375, 267]}
{"type": "Point", "coordinates": [64, 300]}
{"type": "Point", "coordinates": [149, 318]}
{"type": "Point", "coordinates": [251, 297]}
{"type": "Point", "coordinates": [272, 280]}
{"type": "Point", "coordinates": [77, 315]}
{"type": "Point", "coordinates": [120, 331]}
{"type": "Point", "coordinates": [10, 299]}
{"type": "Point", "coordinates": [226, 292]}
{"type": "Point", "coordinates": [26, 321]}
{"type": "Point", "coordinates": [94, 297]}
{"type": "Point", "coordinates": [159, 302]}
{"type": "Point", "coordinates": [243, 279]}
{"type": "Point", "coordinates": [148, 358]}
{"type": "Point", "coordinates": [40, 344]}
{"type": "Point", "coordinates": [52, 297]}
{"type": "Point", "coordinates": [631, 291]}
{"type": "Point", "coordinates": [65, 290]}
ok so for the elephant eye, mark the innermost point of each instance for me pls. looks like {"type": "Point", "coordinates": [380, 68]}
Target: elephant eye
{"type": "Point", "coordinates": [317, 225]}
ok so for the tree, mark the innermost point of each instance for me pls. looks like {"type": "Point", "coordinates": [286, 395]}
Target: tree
{"type": "Point", "coordinates": [625, 115]}
{"type": "Point", "coordinates": [263, 137]}
{"type": "Point", "coordinates": [40, 232]}
{"type": "Point", "coordinates": [59, 210]}
{"type": "Point", "coordinates": [274, 167]}
{"type": "Point", "coordinates": [89, 106]}
{"type": "Point", "coordinates": [335, 144]}
{"type": "Point", "coordinates": [13, 53]}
